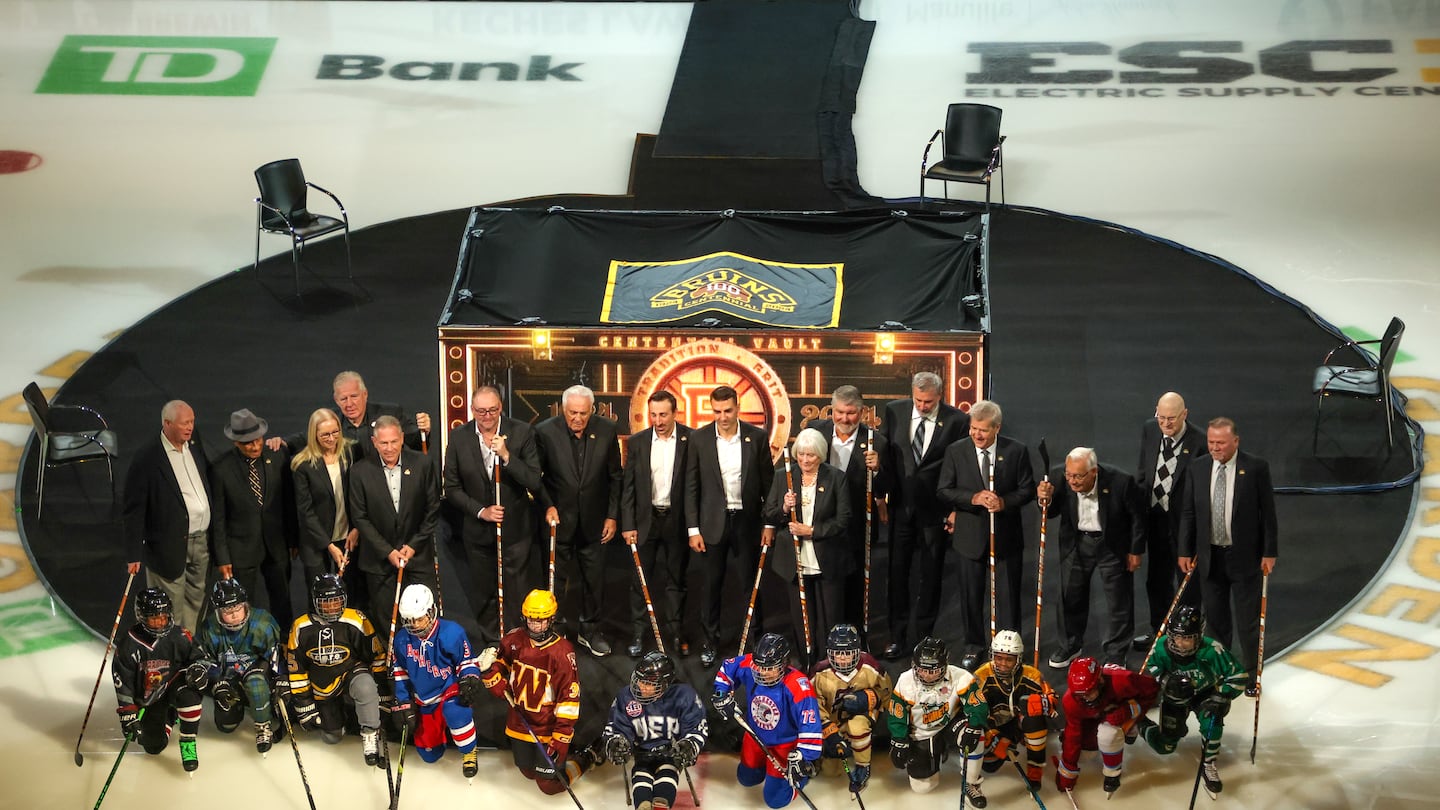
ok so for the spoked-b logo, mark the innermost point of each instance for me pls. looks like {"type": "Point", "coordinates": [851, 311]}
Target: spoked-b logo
{"type": "Point", "coordinates": [158, 66]}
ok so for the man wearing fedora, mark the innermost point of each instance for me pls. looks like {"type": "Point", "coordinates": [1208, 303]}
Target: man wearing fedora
{"type": "Point", "coordinates": [253, 527]}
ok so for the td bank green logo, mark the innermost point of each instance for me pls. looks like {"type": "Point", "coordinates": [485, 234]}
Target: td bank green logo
{"type": "Point", "coordinates": [158, 66]}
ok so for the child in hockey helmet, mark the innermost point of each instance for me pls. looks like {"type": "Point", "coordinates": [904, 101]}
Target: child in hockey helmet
{"type": "Point", "coordinates": [232, 604]}
{"type": "Point", "coordinates": [931, 661]}
{"type": "Point", "coordinates": [842, 647]}
{"type": "Point", "coordinates": [1182, 634]}
{"type": "Point", "coordinates": [539, 610]}
{"type": "Point", "coordinates": [1005, 652]}
{"type": "Point", "coordinates": [154, 612]}
{"type": "Point", "coordinates": [327, 597]}
{"type": "Point", "coordinates": [652, 676]}
{"type": "Point", "coordinates": [1085, 680]}
{"type": "Point", "coordinates": [417, 610]}
{"type": "Point", "coordinates": [771, 659]}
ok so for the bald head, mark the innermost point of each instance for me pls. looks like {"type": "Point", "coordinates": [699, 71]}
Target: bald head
{"type": "Point", "coordinates": [1170, 414]}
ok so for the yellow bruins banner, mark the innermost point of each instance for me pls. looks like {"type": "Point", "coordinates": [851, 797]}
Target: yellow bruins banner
{"type": "Point", "coordinates": [727, 284]}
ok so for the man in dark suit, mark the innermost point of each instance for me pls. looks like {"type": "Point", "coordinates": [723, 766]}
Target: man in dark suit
{"type": "Point", "coordinates": [1168, 443]}
{"type": "Point", "coordinates": [254, 533]}
{"type": "Point", "coordinates": [987, 479]}
{"type": "Point", "coordinates": [1228, 531]}
{"type": "Point", "coordinates": [471, 456]}
{"type": "Point", "coordinates": [394, 502]}
{"type": "Point", "coordinates": [358, 415]}
{"type": "Point", "coordinates": [651, 505]}
{"type": "Point", "coordinates": [580, 459]}
{"type": "Point", "coordinates": [167, 512]}
{"type": "Point", "coordinates": [1102, 528]}
{"type": "Point", "coordinates": [917, 432]}
{"type": "Point", "coordinates": [732, 468]}
{"type": "Point", "coordinates": [856, 449]}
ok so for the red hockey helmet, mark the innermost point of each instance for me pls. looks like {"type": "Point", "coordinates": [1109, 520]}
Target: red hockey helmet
{"type": "Point", "coordinates": [1085, 680]}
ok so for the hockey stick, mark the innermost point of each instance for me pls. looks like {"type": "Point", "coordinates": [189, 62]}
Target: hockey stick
{"type": "Point", "coordinates": [774, 762]}
{"type": "Point", "coordinates": [1174, 603]}
{"type": "Point", "coordinates": [1199, 769]}
{"type": "Point", "coordinates": [544, 752]}
{"type": "Point", "coordinates": [750, 609]}
{"type": "Point", "coordinates": [400, 767]}
{"type": "Point", "coordinates": [120, 756]}
{"type": "Point", "coordinates": [799, 577]}
{"type": "Point", "coordinates": [109, 645]}
{"type": "Point", "coordinates": [990, 484]}
{"type": "Point", "coordinates": [1259, 664]}
{"type": "Point", "coordinates": [629, 783]}
{"type": "Point", "coordinates": [845, 761]}
{"type": "Point", "coordinates": [1040, 563]}
{"type": "Point", "coordinates": [645, 591]}
{"type": "Point", "coordinates": [1014, 757]}
{"type": "Point", "coordinates": [694, 797]}
{"type": "Point", "coordinates": [390, 672]}
{"type": "Point", "coordinates": [869, 510]}
{"type": "Point", "coordinates": [499, 558]}
{"type": "Point", "coordinates": [294, 746]}
{"type": "Point", "coordinates": [552, 556]}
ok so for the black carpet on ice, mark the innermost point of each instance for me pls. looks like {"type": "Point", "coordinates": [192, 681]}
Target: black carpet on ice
{"type": "Point", "coordinates": [1090, 324]}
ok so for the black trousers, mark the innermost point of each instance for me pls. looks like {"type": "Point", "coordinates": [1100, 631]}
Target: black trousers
{"type": "Point", "coordinates": [1244, 622]}
{"type": "Point", "coordinates": [824, 601]}
{"type": "Point", "coordinates": [744, 554]}
{"type": "Point", "coordinates": [915, 549]}
{"type": "Point", "coordinates": [975, 607]}
{"type": "Point", "coordinates": [275, 575]}
{"type": "Point", "coordinates": [383, 597]}
{"type": "Point", "coordinates": [1078, 565]}
{"type": "Point", "coordinates": [665, 559]}
{"type": "Point", "coordinates": [582, 559]}
{"type": "Point", "coordinates": [1162, 575]}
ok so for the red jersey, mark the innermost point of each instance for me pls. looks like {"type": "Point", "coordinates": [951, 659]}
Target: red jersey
{"type": "Point", "coordinates": [544, 683]}
{"type": "Point", "coordinates": [1132, 693]}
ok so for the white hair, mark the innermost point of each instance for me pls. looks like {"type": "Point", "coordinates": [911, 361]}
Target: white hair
{"type": "Point", "coordinates": [1085, 454]}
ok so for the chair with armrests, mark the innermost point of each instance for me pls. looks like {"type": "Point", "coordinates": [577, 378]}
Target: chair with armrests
{"type": "Point", "coordinates": [67, 433]}
{"type": "Point", "coordinates": [281, 209]}
{"type": "Point", "coordinates": [970, 150]}
{"type": "Point", "coordinates": [1371, 380]}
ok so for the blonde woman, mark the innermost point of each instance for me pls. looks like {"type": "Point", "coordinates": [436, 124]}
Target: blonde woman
{"type": "Point", "coordinates": [322, 477]}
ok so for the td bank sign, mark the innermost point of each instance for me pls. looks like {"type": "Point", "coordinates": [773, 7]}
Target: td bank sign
{"type": "Point", "coordinates": [157, 66]}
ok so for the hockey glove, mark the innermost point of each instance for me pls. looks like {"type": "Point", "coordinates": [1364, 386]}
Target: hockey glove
{"type": "Point", "coordinates": [724, 703]}
{"type": "Point", "coordinates": [487, 658]}
{"type": "Point", "coordinates": [198, 675]}
{"type": "Point", "coordinates": [900, 753]}
{"type": "Point", "coordinates": [1215, 705]}
{"type": "Point", "coordinates": [1122, 714]}
{"type": "Point", "coordinates": [471, 690]}
{"type": "Point", "coordinates": [797, 767]}
{"type": "Point", "coordinates": [857, 703]}
{"type": "Point", "coordinates": [307, 714]}
{"type": "Point", "coordinates": [836, 746]}
{"type": "Point", "coordinates": [409, 715]}
{"type": "Point", "coordinates": [227, 696]}
{"type": "Point", "coordinates": [129, 719]}
{"type": "Point", "coordinates": [687, 751]}
{"type": "Point", "coordinates": [967, 737]}
{"type": "Point", "coordinates": [1040, 705]}
{"type": "Point", "coordinates": [617, 749]}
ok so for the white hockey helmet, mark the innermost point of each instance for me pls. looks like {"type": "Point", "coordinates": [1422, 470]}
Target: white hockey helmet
{"type": "Point", "coordinates": [417, 609]}
{"type": "Point", "coordinates": [1005, 652]}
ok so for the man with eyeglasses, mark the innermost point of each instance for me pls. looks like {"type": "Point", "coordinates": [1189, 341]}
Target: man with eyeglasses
{"type": "Point", "coordinates": [1102, 529]}
{"type": "Point", "coordinates": [1168, 443]}
{"type": "Point", "coordinates": [471, 458]}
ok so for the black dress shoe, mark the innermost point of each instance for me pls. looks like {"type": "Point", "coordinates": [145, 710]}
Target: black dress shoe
{"type": "Point", "coordinates": [637, 646]}
{"type": "Point", "coordinates": [1143, 642]}
{"type": "Point", "coordinates": [707, 655]}
{"type": "Point", "coordinates": [894, 651]}
{"type": "Point", "coordinates": [680, 648]}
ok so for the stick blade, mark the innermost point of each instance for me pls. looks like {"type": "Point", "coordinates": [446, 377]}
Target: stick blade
{"type": "Point", "coordinates": [80, 759]}
{"type": "Point", "coordinates": [1044, 457]}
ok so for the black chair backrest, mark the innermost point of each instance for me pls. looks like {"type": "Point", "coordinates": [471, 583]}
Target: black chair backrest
{"type": "Point", "coordinates": [1390, 344]}
{"type": "Point", "coordinates": [39, 409]}
{"type": "Point", "coordinates": [282, 184]}
{"type": "Point", "coordinates": [971, 132]}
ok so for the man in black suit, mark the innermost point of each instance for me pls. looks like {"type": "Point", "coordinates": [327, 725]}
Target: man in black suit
{"type": "Point", "coordinates": [917, 432]}
{"type": "Point", "coordinates": [1168, 443]}
{"type": "Point", "coordinates": [358, 416]}
{"type": "Point", "coordinates": [987, 479]}
{"type": "Point", "coordinates": [732, 468]}
{"type": "Point", "coordinates": [394, 502]}
{"type": "Point", "coordinates": [254, 532]}
{"type": "Point", "coordinates": [471, 456]}
{"type": "Point", "coordinates": [167, 512]}
{"type": "Point", "coordinates": [1228, 531]}
{"type": "Point", "coordinates": [651, 503]}
{"type": "Point", "coordinates": [856, 449]}
{"type": "Point", "coordinates": [1102, 528]}
{"type": "Point", "coordinates": [580, 459]}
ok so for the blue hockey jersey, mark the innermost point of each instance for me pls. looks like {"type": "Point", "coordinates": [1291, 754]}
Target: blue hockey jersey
{"type": "Point", "coordinates": [426, 667]}
{"type": "Point", "coordinates": [782, 713]}
{"type": "Point", "coordinates": [237, 652]}
{"type": "Point", "coordinates": [655, 726]}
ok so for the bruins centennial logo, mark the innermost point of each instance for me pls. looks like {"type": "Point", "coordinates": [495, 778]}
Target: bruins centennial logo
{"type": "Point", "coordinates": [761, 291]}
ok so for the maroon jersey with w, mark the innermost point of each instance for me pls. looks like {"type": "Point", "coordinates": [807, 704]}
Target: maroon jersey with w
{"type": "Point", "coordinates": [545, 685]}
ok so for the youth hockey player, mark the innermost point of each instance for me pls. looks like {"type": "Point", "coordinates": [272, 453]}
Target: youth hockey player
{"type": "Point", "coordinates": [153, 668]}
{"type": "Point", "coordinates": [1200, 676]}
{"type": "Point", "coordinates": [1101, 708]}
{"type": "Point", "coordinates": [436, 679]}
{"type": "Point", "coordinates": [662, 724]}
{"type": "Point", "coordinates": [534, 669]}
{"type": "Point", "coordinates": [931, 708]}
{"type": "Point", "coordinates": [1019, 705]}
{"type": "Point", "coordinates": [852, 689]}
{"type": "Point", "coordinates": [238, 645]}
{"type": "Point", "coordinates": [781, 710]}
{"type": "Point", "coordinates": [334, 657]}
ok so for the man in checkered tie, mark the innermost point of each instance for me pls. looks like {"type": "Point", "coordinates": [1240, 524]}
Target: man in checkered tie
{"type": "Point", "coordinates": [1168, 443]}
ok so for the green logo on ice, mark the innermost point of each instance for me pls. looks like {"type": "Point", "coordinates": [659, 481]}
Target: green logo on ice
{"type": "Point", "coordinates": [158, 66]}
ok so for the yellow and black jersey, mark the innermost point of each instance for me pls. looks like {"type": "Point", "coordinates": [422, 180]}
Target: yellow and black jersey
{"type": "Point", "coordinates": [322, 655]}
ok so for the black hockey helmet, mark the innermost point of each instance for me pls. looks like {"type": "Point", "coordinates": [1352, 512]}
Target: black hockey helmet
{"type": "Point", "coordinates": [931, 660]}
{"type": "Point", "coordinates": [771, 657]}
{"type": "Point", "coordinates": [652, 676]}
{"type": "Point", "coordinates": [155, 612]}
{"type": "Point", "coordinates": [1182, 634]}
{"type": "Point", "coordinates": [327, 596]}
{"type": "Point", "coordinates": [842, 647]}
{"type": "Point", "coordinates": [229, 593]}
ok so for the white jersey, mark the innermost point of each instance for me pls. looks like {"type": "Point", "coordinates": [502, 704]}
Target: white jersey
{"type": "Point", "coordinates": [920, 711]}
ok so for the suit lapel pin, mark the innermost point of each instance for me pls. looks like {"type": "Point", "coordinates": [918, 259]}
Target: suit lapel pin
{"type": "Point", "coordinates": [1105, 491]}
{"type": "Point", "coordinates": [747, 439]}
{"type": "Point", "coordinates": [999, 459]}
{"type": "Point", "coordinates": [406, 471]}
{"type": "Point", "coordinates": [592, 435]}
{"type": "Point", "coordinates": [1239, 472]}
{"type": "Point", "coordinates": [819, 489]}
